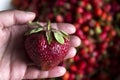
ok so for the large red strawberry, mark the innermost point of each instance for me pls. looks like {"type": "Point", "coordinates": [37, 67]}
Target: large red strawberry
{"type": "Point", "coordinates": [46, 46]}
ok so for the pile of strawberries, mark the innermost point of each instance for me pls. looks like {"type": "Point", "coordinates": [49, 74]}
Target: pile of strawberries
{"type": "Point", "coordinates": [97, 24]}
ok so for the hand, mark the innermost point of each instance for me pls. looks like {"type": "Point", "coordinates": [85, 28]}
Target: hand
{"type": "Point", "coordinates": [13, 59]}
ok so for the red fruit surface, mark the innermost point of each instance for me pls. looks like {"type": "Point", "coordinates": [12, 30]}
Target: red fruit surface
{"type": "Point", "coordinates": [82, 65]}
{"type": "Point", "coordinates": [45, 56]}
{"type": "Point", "coordinates": [98, 11]}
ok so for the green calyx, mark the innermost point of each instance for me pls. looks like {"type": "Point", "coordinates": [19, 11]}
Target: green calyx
{"type": "Point", "coordinates": [59, 35]}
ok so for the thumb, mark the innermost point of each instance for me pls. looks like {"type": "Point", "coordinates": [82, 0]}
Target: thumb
{"type": "Point", "coordinates": [9, 18]}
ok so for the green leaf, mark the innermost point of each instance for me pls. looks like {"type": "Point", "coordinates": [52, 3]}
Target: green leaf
{"type": "Point", "coordinates": [34, 24]}
{"type": "Point", "coordinates": [36, 30]}
{"type": "Point", "coordinates": [63, 32]}
{"type": "Point", "coordinates": [49, 37]}
{"type": "Point", "coordinates": [48, 25]}
{"type": "Point", "coordinates": [59, 37]}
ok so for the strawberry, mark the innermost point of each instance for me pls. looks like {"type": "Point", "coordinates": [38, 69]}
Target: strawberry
{"type": "Point", "coordinates": [46, 46]}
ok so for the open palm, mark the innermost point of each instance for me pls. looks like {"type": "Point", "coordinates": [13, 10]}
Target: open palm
{"type": "Point", "coordinates": [14, 63]}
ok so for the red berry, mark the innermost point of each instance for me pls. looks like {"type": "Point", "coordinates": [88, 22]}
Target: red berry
{"type": "Point", "coordinates": [81, 72]}
{"type": "Point", "coordinates": [87, 16]}
{"type": "Point", "coordinates": [66, 76]}
{"type": "Point", "coordinates": [90, 70]}
{"type": "Point", "coordinates": [80, 20]}
{"type": "Point", "coordinates": [104, 45]}
{"type": "Point", "coordinates": [68, 17]}
{"type": "Point", "coordinates": [80, 34]}
{"type": "Point", "coordinates": [83, 53]}
{"type": "Point", "coordinates": [82, 3]}
{"type": "Point", "coordinates": [104, 16]}
{"type": "Point", "coordinates": [73, 68]}
{"type": "Point", "coordinates": [73, 1]}
{"type": "Point", "coordinates": [98, 11]}
{"type": "Point", "coordinates": [43, 47]}
{"type": "Point", "coordinates": [77, 25]}
{"type": "Point", "coordinates": [50, 16]}
{"type": "Point", "coordinates": [92, 60]}
{"type": "Point", "coordinates": [85, 28]}
{"type": "Point", "coordinates": [72, 76]}
{"type": "Point", "coordinates": [86, 42]}
{"type": "Point", "coordinates": [109, 18]}
{"type": "Point", "coordinates": [80, 10]}
{"type": "Point", "coordinates": [91, 47]}
{"type": "Point", "coordinates": [67, 6]}
{"type": "Point", "coordinates": [59, 18]}
{"type": "Point", "coordinates": [76, 58]}
{"type": "Point", "coordinates": [59, 3]}
{"type": "Point", "coordinates": [82, 65]}
{"type": "Point", "coordinates": [113, 32]}
{"type": "Point", "coordinates": [97, 3]}
{"type": "Point", "coordinates": [107, 7]}
{"type": "Point", "coordinates": [103, 36]}
{"type": "Point", "coordinates": [106, 28]}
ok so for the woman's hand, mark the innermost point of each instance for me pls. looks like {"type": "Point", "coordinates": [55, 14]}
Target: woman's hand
{"type": "Point", "coordinates": [13, 59]}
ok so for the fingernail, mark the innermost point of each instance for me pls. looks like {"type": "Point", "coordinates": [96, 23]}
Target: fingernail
{"type": "Point", "coordinates": [30, 13]}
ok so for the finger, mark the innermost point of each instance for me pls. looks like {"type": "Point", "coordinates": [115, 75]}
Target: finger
{"type": "Point", "coordinates": [8, 18]}
{"type": "Point", "coordinates": [75, 41]}
{"type": "Point", "coordinates": [35, 73]}
{"type": "Point", "coordinates": [53, 25]}
{"type": "Point", "coordinates": [56, 72]}
{"type": "Point", "coordinates": [71, 53]}
{"type": "Point", "coordinates": [68, 28]}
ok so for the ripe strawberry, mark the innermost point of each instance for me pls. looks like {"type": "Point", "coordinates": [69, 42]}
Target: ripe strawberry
{"type": "Point", "coordinates": [46, 46]}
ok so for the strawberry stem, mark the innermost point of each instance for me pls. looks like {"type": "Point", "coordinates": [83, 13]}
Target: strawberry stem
{"type": "Point", "coordinates": [48, 25]}
{"type": "Point", "coordinates": [58, 35]}
{"type": "Point", "coordinates": [48, 32]}
{"type": "Point", "coordinates": [34, 24]}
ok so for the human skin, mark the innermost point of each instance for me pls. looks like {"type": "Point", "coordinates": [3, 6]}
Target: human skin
{"type": "Point", "coordinates": [14, 63]}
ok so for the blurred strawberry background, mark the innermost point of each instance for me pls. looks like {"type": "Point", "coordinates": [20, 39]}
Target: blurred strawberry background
{"type": "Point", "coordinates": [97, 23]}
